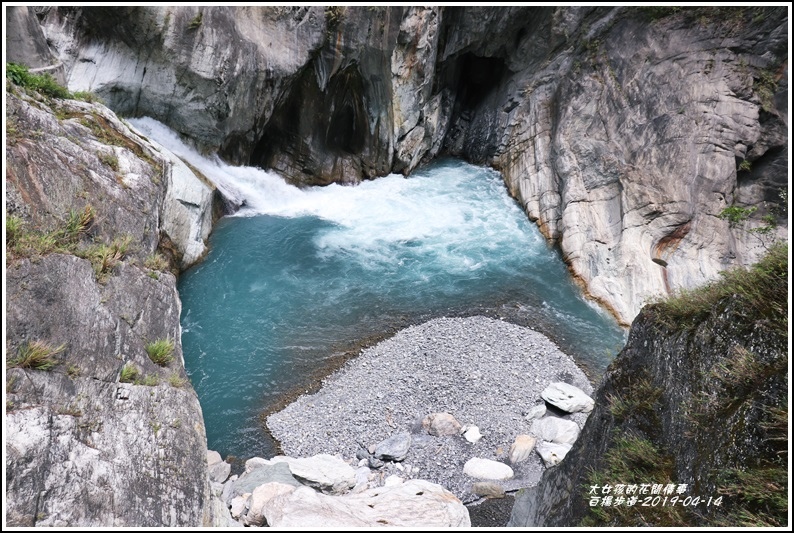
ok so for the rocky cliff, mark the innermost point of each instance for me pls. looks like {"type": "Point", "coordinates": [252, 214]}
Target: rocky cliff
{"type": "Point", "coordinates": [102, 425]}
{"type": "Point", "coordinates": [699, 398]}
{"type": "Point", "coordinates": [624, 132]}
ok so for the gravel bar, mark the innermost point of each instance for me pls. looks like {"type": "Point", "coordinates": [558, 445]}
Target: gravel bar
{"type": "Point", "coordinates": [485, 372]}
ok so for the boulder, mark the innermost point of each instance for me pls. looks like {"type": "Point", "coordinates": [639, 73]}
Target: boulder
{"type": "Point", "coordinates": [415, 503]}
{"type": "Point", "coordinates": [218, 469]}
{"type": "Point", "coordinates": [553, 429]}
{"type": "Point", "coordinates": [488, 489]}
{"type": "Point", "coordinates": [259, 498]}
{"type": "Point", "coordinates": [278, 472]}
{"type": "Point", "coordinates": [395, 448]}
{"type": "Point", "coordinates": [441, 424]}
{"type": "Point", "coordinates": [324, 472]}
{"type": "Point", "coordinates": [487, 469]}
{"type": "Point", "coordinates": [521, 448]}
{"type": "Point", "coordinates": [239, 505]}
{"type": "Point", "coordinates": [567, 397]}
{"type": "Point", "coordinates": [255, 462]}
{"type": "Point", "coordinates": [551, 453]}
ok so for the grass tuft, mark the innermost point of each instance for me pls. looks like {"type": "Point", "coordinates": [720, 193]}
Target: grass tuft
{"type": "Point", "coordinates": [36, 355]}
{"type": "Point", "coordinates": [161, 351]}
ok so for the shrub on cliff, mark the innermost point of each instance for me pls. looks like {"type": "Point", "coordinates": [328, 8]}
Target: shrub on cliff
{"type": "Point", "coordinates": [762, 288]}
{"type": "Point", "coordinates": [42, 83]}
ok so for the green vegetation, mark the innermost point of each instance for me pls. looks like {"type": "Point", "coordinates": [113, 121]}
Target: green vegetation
{"type": "Point", "coordinates": [156, 261]}
{"type": "Point", "coordinates": [87, 96]}
{"type": "Point", "coordinates": [735, 215]}
{"type": "Point", "coordinates": [765, 86]}
{"type": "Point", "coordinates": [196, 21]}
{"type": "Point", "coordinates": [161, 351]}
{"type": "Point", "coordinates": [333, 16]}
{"type": "Point", "coordinates": [105, 257]}
{"type": "Point", "coordinates": [745, 165]}
{"type": "Point", "coordinates": [150, 380]}
{"type": "Point", "coordinates": [36, 355]}
{"type": "Point", "coordinates": [129, 373]}
{"type": "Point", "coordinates": [41, 83]}
{"type": "Point", "coordinates": [175, 380]}
{"type": "Point", "coordinates": [761, 289]}
{"type": "Point", "coordinates": [632, 460]}
{"type": "Point", "coordinates": [110, 160]}
{"type": "Point", "coordinates": [73, 371]}
{"type": "Point", "coordinates": [641, 398]}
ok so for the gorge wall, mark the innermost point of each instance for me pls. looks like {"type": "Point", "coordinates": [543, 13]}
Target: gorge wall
{"type": "Point", "coordinates": [98, 218]}
{"type": "Point", "coordinates": [624, 132]}
{"type": "Point", "coordinates": [699, 396]}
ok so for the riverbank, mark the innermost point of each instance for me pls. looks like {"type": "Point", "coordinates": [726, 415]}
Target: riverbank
{"type": "Point", "coordinates": [485, 372]}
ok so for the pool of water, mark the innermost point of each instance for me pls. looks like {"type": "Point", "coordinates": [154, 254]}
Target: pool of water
{"type": "Point", "coordinates": [299, 273]}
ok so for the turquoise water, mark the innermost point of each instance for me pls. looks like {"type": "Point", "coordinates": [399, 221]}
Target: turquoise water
{"type": "Point", "coordinates": [300, 273]}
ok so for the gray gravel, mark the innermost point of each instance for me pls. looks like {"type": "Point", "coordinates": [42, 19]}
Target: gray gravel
{"type": "Point", "coordinates": [485, 372]}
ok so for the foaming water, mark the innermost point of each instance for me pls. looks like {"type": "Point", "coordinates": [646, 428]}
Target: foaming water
{"type": "Point", "coordinates": [301, 271]}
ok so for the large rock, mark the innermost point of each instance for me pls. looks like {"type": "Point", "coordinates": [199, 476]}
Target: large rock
{"type": "Point", "coordinates": [324, 472]}
{"type": "Point", "coordinates": [259, 499]}
{"type": "Point", "coordinates": [521, 448]}
{"type": "Point", "coordinates": [556, 430]}
{"type": "Point", "coordinates": [567, 397]}
{"type": "Point", "coordinates": [278, 472]}
{"type": "Point", "coordinates": [219, 469]}
{"type": "Point", "coordinates": [551, 453]}
{"type": "Point", "coordinates": [487, 469]}
{"type": "Point", "coordinates": [441, 424]}
{"type": "Point", "coordinates": [415, 503]}
{"type": "Point", "coordinates": [488, 489]}
{"type": "Point", "coordinates": [133, 454]}
{"type": "Point", "coordinates": [395, 448]}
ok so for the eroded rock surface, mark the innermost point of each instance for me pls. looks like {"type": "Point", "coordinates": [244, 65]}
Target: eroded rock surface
{"type": "Point", "coordinates": [86, 446]}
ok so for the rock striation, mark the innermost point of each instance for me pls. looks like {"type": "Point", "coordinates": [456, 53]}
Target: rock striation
{"type": "Point", "coordinates": [623, 131]}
